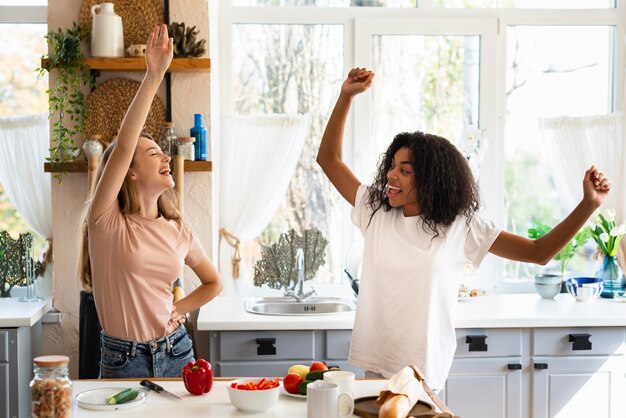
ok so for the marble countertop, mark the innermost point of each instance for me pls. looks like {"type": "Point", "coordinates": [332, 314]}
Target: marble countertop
{"type": "Point", "coordinates": [14, 313]}
{"type": "Point", "coordinates": [493, 311]}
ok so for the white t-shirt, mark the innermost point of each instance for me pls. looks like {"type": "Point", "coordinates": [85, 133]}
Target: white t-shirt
{"type": "Point", "coordinates": [409, 288]}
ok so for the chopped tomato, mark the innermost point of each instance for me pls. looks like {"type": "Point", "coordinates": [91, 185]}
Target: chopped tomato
{"type": "Point", "coordinates": [262, 384]}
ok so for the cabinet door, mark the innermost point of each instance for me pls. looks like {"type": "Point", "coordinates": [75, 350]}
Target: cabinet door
{"type": "Point", "coordinates": [4, 390]}
{"type": "Point", "coordinates": [485, 388]}
{"type": "Point", "coordinates": [568, 387]}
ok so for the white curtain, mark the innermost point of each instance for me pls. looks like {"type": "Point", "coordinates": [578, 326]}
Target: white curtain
{"type": "Point", "coordinates": [574, 144]}
{"type": "Point", "coordinates": [24, 143]}
{"type": "Point", "coordinates": [258, 156]}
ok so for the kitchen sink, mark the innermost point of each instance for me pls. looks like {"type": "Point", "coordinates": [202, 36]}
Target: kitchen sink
{"type": "Point", "coordinates": [290, 306]}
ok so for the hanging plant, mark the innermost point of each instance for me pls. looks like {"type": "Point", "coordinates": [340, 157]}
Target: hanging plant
{"type": "Point", "coordinates": [66, 97]}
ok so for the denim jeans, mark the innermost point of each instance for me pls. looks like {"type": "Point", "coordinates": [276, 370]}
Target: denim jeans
{"type": "Point", "coordinates": [163, 357]}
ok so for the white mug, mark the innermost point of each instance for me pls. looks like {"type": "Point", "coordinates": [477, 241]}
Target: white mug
{"type": "Point", "coordinates": [322, 400]}
{"type": "Point", "coordinates": [342, 378]}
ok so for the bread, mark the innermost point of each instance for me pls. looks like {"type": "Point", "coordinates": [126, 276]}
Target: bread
{"type": "Point", "coordinates": [396, 406]}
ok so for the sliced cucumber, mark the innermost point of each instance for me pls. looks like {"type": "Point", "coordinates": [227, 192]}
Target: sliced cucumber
{"type": "Point", "coordinates": [126, 395]}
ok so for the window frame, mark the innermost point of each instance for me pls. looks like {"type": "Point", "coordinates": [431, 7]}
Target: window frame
{"type": "Point", "coordinates": [492, 114]}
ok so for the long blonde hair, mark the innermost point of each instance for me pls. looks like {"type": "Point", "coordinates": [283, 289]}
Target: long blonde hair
{"type": "Point", "coordinates": [128, 201]}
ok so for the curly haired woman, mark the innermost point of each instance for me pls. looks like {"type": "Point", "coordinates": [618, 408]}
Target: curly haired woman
{"type": "Point", "coordinates": [420, 226]}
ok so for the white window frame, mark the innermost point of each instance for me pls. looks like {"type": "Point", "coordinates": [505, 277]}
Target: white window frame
{"type": "Point", "coordinates": [23, 14]}
{"type": "Point", "coordinates": [357, 21]}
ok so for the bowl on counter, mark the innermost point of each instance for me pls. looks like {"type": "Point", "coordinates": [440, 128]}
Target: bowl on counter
{"type": "Point", "coordinates": [252, 400]}
{"type": "Point", "coordinates": [584, 288]}
{"type": "Point", "coordinates": [548, 285]}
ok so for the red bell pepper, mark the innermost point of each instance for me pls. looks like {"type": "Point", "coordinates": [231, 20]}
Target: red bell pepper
{"type": "Point", "coordinates": [198, 377]}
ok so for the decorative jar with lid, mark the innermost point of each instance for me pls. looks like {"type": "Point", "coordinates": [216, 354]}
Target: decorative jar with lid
{"type": "Point", "coordinates": [93, 146]}
{"type": "Point", "coordinates": [167, 140]}
{"type": "Point", "coordinates": [51, 388]}
{"type": "Point", "coordinates": [186, 147]}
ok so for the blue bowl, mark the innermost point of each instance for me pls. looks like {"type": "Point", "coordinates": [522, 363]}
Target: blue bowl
{"type": "Point", "coordinates": [584, 288]}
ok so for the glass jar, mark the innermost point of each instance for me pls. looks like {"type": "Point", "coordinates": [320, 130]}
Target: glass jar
{"type": "Point", "coordinates": [186, 147]}
{"type": "Point", "coordinates": [167, 140]}
{"type": "Point", "coordinates": [51, 388]}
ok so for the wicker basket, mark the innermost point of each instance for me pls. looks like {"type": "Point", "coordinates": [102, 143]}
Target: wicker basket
{"type": "Point", "coordinates": [139, 17]}
{"type": "Point", "coordinates": [107, 105]}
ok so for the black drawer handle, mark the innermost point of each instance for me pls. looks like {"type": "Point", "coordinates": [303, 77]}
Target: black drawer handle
{"type": "Point", "coordinates": [514, 366]}
{"type": "Point", "coordinates": [541, 366]}
{"type": "Point", "coordinates": [476, 342]}
{"type": "Point", "coordinates": [580, 341]}
{"type": "Point", "coordinates": [266, 347]}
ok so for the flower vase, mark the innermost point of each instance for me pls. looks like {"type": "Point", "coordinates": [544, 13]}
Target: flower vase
{"type": "Point", "coordinates": [613, 277]}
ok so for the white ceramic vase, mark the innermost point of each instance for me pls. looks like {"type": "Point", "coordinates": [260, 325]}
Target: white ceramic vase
{"type": "Point", "coordinates": [107, 35]}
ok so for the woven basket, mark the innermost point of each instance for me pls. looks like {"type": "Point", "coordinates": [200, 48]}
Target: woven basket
{"type": "Point", "coordinates": [138, 17]}
{"type": "Point", "coordinates": [107, 105]}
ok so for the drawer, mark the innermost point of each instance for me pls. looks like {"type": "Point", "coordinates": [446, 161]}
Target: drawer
{"type": "Point", "coordinates": [477, 342]}
{"type": "Point", "coordinates": [4, 345]}
{"type": "Point", "coordinates": [254, 368]}
{"type": "Point", "coordinates": [266, 345]}
{"type": "Point", "coordinates": [573, 341]}
{"type": "Point", "coordinates": [338, 344]}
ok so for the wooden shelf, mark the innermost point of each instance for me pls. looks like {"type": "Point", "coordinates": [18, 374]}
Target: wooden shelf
{"type": "Point", "coordinates": [139, 64]}
{"type": "Point", "coordinates": [80, 166]}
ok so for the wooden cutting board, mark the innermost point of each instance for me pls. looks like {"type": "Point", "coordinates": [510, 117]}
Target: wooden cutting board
{"type": "Point", "coordinates": [366, 407]}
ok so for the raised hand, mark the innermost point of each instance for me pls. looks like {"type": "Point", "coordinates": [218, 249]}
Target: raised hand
{"type": "Point", "coordinates": [159, 50]}
{"type": "Point", "coordinates": [596, 187]}
{"type": "Point", "coordinates": [358, 80]}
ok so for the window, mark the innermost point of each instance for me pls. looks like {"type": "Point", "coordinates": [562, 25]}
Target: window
{"type": "Point", "coordinates": [22, 30]}
{"type": "Point", "coordinates": [498, 68]}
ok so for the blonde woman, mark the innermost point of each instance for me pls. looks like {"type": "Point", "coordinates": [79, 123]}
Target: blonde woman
{"type": "Point", "coordinates": [135, 245]}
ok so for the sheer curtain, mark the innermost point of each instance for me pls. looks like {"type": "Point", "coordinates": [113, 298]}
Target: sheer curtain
{"type": "Point", "coordinates": [258, 156]}
{"type": "Point", "coordinates": [574, 144]}
{"type": "Point", "coordinates": [24, 143]}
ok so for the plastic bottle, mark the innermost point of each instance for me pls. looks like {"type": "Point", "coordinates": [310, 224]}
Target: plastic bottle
{"type": "Point", "coordinates": [199, 132]}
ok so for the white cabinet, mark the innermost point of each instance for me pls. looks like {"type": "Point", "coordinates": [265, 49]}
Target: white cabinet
{"type": "Point", "coordinates": [270, 353]}
{"type": "Point", "coordinates": [538, 373]}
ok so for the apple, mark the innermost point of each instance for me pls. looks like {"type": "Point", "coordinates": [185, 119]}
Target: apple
{"type": "Point", "coordinates": [291, 382]}
{"type": "Point", "coordinates": [317, 365]}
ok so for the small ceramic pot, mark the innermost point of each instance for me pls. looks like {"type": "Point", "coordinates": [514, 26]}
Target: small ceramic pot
{"type": "Point", "coordinates": [92, 146]}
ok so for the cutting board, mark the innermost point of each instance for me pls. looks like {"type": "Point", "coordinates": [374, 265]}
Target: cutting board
{"type": "Point", "coordinates": [366, 407]}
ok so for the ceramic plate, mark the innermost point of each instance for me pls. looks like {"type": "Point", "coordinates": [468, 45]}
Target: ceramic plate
{"type": "Point", "coordinates": [293, 395]}
{"type": "Point", "coordinates": [95, 399]}
{"type": "Point", "coordinates": [466, 298]}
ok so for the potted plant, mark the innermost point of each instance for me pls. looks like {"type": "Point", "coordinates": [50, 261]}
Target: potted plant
{"type": "Point", "coordinates": [567, 253]}
{"type": "Point", "coordinates": [13, 262]}
{"type": "Point", "coordinates": [66, 97]}
{"type": "Point", "coordinates": [608, 236]}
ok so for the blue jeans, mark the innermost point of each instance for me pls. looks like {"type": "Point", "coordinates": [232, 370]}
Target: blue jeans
{"type": "Point", "coordinates": [163, 357]}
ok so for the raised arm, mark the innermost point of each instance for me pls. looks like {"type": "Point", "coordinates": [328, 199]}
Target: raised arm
{"type": "Point", "coordinates": [329, 154]}
{"type": "Point", "coordinates": [514, 247]}
{"type": "Point", "coordinates": [159, 52]}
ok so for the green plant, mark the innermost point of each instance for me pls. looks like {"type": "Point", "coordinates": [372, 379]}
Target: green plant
{"type": "Point", "coordinates": [66, 98]}
{"type": "Point", "coordinates": [185, 44]}
{"type": "Point", "coordinates": [13, 262]}
{"type": "Point", "coordinates": [567, 253]}
{"type": "Point", "coordinates": [605, 233]}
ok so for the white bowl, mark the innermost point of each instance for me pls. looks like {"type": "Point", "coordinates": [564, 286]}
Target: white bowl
{"type": "Point", "coordinates": [252, 400]}
{"type": "Point", "coordinates": [584, 288]}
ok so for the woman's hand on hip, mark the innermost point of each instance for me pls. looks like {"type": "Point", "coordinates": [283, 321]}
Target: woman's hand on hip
{"type": "Point", "coordinates": [176, 318]}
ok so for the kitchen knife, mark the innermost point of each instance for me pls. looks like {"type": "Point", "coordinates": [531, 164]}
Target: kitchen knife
{"type": "Point", "coordinates": [159, 389]}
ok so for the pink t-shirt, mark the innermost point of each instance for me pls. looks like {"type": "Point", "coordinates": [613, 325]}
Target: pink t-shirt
{"type": "Point", "coordinates": [134, 262]}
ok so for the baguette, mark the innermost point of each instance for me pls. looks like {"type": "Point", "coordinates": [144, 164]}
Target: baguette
{"type": "Point", "coordinates": [396, 406]}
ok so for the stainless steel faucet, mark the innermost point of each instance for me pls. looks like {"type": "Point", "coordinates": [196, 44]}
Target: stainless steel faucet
{"type": "Point", "coordinates": [300, 296]}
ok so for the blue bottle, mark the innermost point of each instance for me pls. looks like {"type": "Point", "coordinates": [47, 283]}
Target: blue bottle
{"type": "Point", "coordinates": [199, 132]}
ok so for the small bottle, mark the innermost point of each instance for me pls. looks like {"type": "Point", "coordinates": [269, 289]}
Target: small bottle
{"type": "Point", "coordinates": [186, 147]}
{"type": "Point", "coordinates": [199, 132]}
{"type": "Point", "coordinates": [167, 140]}
{"type": "Point", "coordinates": [51, 388]}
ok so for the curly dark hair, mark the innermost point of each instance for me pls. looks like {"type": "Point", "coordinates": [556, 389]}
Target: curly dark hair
{"type": "Point", "coordinates": [445, 185]}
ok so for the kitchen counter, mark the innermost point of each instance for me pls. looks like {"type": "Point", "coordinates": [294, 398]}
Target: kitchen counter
{"type": "Point", "coordinates": [14, 313]}
{"type": "Point", "coordinates": [493, 311]}
{"type": "Point", "coordinates": [214, 404]}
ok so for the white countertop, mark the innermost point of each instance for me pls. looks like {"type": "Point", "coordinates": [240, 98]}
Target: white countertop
{"type": "Point", "coordinates": [216, 403]}
{"type": "Point", "coordinates": [493, 311]}
{"type": "Point", "coordinates": [14, 313]}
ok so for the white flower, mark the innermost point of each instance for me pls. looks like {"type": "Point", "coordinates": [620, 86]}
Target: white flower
{"type": "Point", "coordinates": [609, 215]}
{"type": "Point", "coordinates": [618, 230]}
{"type": "Point", "coordinates": [604, 237]}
